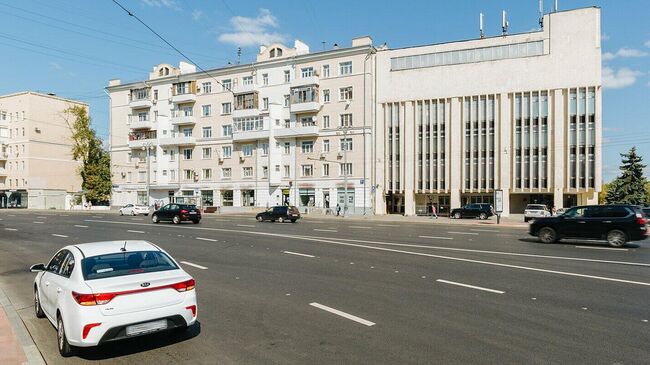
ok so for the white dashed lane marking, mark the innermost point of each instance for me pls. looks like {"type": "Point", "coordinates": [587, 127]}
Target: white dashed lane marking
{"type": "Point", "coordinates": [245, 225]}
{"type": "Point", "coordinates": [194, 265]}
{"type": "Point", "coordinates": [484, 230]}
{"type": "Point", "coordinates": [132, 231]}
{"type": "Point", "coordinates": [59, 235]}
{"type": "Point", "coordinates": [10, 229]}
{"type": "Point", "coordinates": [325, 230]}
{"type": "Point", "coordinates": [360, 227]}
{"type": "Point", "coordinates": [437, 238]}
{"type": "Point", "coordinates": [343, 314]}
{"type": "Point", "coordinates": [206, 239]}
{"type": "Point", "coordinates": [37, 222]}
{"type": "Point", "coordinates": [80, 226]}
{"type": "Point", "coordinates": [470, 286]}
{"type": "Point", "coordinates": [298, 254]}
{"type": "Point", "coordinates": [467, 233]}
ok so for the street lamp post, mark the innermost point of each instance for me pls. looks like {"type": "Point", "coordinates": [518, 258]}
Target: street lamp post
{"type": "Point", "coordinates": [345, 171]}
{"type": "Point", "coordinates": [146, 148]}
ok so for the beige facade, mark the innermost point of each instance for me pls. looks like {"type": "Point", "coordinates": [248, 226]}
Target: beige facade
{"type": "Point", "coordinates": [36, 165]}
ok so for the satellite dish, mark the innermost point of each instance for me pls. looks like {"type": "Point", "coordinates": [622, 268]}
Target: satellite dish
{"type": "Point", "coordinates": [313, 118]}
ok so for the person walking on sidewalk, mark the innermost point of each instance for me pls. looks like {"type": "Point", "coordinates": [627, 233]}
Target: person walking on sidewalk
{"type": "Point", "coordinates": [338, 210]}
{"type": "Point", "coordinates": [434, 214]}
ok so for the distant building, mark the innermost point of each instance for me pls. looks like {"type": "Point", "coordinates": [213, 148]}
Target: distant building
{"type": "Point", "coordinates": [444, 124]}
{"type": "Point", "coordinates": [36, 165]}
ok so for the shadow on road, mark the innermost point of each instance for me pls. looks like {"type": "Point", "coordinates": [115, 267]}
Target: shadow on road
{"type": "Point", "coordinates": [595, 244]}
{"type": "Point", "coordinates": [138, 344]}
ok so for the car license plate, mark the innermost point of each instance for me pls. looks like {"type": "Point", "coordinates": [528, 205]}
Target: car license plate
{"type": "Point", "coordinates": [192, 212]}
{"type": "Point", "coordinates": [142, 328]}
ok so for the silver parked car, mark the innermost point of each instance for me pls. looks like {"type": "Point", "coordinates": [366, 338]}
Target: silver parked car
{"type": "Point", "coordinates": [536, 211]}
{"type": "Point", "coordinates": [132, 209]}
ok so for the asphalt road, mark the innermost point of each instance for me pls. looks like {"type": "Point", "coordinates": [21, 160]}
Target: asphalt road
{"type": "Point", "coordinates": [336, 291]}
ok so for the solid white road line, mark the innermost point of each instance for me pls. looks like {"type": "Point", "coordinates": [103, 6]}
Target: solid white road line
{"type": "Point", "coordinates": [132, 231]}
{"type": "Point", "coordinates": [450, 258]}
{"type": "Point", "coordinates": [470, 286]}
{"type": "Point", "coordinates": [298, 254]}
{"type": "Point", "coordinates": [388, 225]}
{"type": "Point", "coordinates": [41, 217]}
{"type": "Point", "coordinates": [11, 215]}
{"type": "Point", "coordinates": [603, 248]}
{"type": "Point", "coordinates": [194, 265]}
{"type": "Point", "coordinates": [360, 227]}
{"type": "Point", "coordinates": [97, 216]}
{"type": "Point", "coordinates": [10, 229]}
{"type": "Point", "coordinates": [325, 230]}
{"type": "Point", "coordinates": [80, 226]}
{"type": "Point", "coordinates": [468, 233]}
{"type": "Point", "coordinates": [484, 230]}
{"type": "Point", "coordinates": [37, 222]}
{"type": "Point", "coordinates": [343, 314]}
{"type": "Point", "coordinates": [437, 238]}
{"type": "Point", "coordinates": [59, 235]}
{"type": "Point", "coordinates": [206, 239]}
{"type": "Point", "coordinates": [245, 225]}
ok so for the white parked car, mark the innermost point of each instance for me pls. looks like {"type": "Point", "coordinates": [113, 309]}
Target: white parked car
{"type": "Point", "coordinates": [106, 291]}
{"type": "Point", "coordinates": [131, 209]}
{"type": "Point", "coordinates": [536, 211]}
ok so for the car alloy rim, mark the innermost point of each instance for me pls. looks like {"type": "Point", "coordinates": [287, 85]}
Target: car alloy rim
{"type": "Point", "coordinates": [616, 238]}
{"type": "Point", "coordinates": [547, 235]}
{"type": "Point", "coordinates": [35, 301]}
{"type": "Point", "coordinates": [60, 333]}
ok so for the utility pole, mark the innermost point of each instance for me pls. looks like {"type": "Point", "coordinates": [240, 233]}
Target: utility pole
{"type": "Point", "coordinates": [345, 169]}
{"type": "Point", "coordinates": [146, 148]}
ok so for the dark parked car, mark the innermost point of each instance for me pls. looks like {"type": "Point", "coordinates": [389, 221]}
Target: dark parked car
{"type": "Point", "coordinates": [177, 213]}
{"type": "Point", "coordinates": [646, 211]}
{"type": "Point", "coordinates": [617, 224]}
{"type": "Point", "coordinates": [477, 210]}
{"type": "Point", "coordinates": [281, 213]}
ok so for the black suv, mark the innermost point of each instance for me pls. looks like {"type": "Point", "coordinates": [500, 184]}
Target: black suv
{"type": "Point", "coordinates": [177, 213]}
{"type": "Point", "coordinates": [477, 210]}
{"type": "Point", "coordinates": [281, 213]}
{"type": "Point", "coordinates": [617, 224]}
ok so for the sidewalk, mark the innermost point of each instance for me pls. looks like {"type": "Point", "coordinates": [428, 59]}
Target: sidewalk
{"type": "Point", "coordinates": [16, 345]}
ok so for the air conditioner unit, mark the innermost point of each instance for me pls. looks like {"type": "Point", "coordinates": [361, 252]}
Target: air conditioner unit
{"type": "Point", "coordinates": [123, 175]}
{"type": "Point", "coordinates": [220, 159]}
{"type": "Point", "coordinates": [322, 155]}
{"type": "Point", "coordinates": [339, 154]}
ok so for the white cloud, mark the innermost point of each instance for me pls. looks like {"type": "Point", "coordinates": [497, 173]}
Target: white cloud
{"type": "Point", "coordinates": [647, 44]}
{"type": "Point", "coordinates": [619, 79]}
{"type": "Point", "coordinates": [160, 3]}
{"type": "Point", "coordinates": [56, 66]}
{"type": "Point", "coordinates": [604, 37]}
{"type": "Point", "coordinates": [197, 14]}
{"type": "Point", "coordinates": [623, 53]}
{"type": "Point", "coordinates": [253, 31]}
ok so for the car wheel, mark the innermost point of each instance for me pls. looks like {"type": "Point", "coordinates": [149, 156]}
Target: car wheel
{"type": "Point", "coordinates": [457, 215]}
{"type": "Point", "coordinates": [259, 219]}
{"type": "Point", "coordinates": [154, 218]}
{"type": "Point", "coordinates": [547, 235]}
{"type": "Point", "coordinates": [38, 310]}
{"type": "Point", "coordinates": [616, 238]}
{"type": "Point", "coordinates": [64, 347]}
{"type": "Point", "coordinates": [196, 221]}
{"type": "Point", "coordinates": [133, 213]}
{"type": "Point", "coordinates": [281, 220]}
{"type": "Point", "coordinates": [482, 216]}
{"type": "Point", "coordinates": [293, 220]}
{"type": "Point", "coordinates": [525, 220]}
{"type": "Point", "coordinates": [176, 219]}
{"type": "Point", "coordinates": [121, 213]}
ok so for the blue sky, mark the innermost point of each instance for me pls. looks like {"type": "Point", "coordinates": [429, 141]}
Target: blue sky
{"type": "Point", "coordinates": [73, 47]}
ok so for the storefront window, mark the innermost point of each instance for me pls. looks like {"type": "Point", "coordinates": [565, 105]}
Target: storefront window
{"type": "Point", "coordinates": [248, 198]}
{"type": "Point", "coordinates": [307, 197]}
{"type": "Point", "coordinates": [226, 198]}
{"type": "Point", "coordinates": [207, 198]}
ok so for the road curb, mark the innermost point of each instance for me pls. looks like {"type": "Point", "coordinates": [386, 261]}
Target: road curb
{"type": "Point", "coordinates": [32, 353]}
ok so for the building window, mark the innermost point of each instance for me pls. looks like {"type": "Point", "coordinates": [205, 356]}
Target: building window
{"type": "Point", "coordinates": [326, 70]}
{"type": "Point", "coordinates": [307, 146]}
{"type": "Point", "coordinates": [307, 72]}
{"type": "Point", "coordinates": [247, 149]}
{"type": "Point", "coordinates": [226, 108]}
{"type": "Point", "coordinates": [207, 152]}
{"type": "Point", "coordinates": [265, 79]}
{"type": "Point", "coordinates": [265, 172]}
{"type": "Point", "coordinates": [226, 172]}
{"type": "Point", "coordinates": [326, 121]}
{"type": "Point", "coordinates": [172, 175]}
{"type": "Point", "coordinates": [287, 148]}
{"type": "Point", "coordinates": [226, 151]}
{"type": "Point", "coordinates": [188, 174]}
{"type": "Point", "coordinates": [128, 177]}
{"type": "Point", "coordinates": [187, 132]}
{"type": "Point", "coordinates": [172, 155]}
{"type": "Point", "coordinates": [286, 101]}
{"type": "Point", "coordinates": [187, 154]}
{"type": "Point", "coordinates": [246, 101]}
{"type": "Point", "coordinates": [247, 80]}
{"type": "Point", "coordinates": [326, 145]}
{"type": "Point", "coordinates": [307, 170]}
{"type": "Point", "coordinates": [142, 117]}
{"type": "Point", "coordinates": [287, 171]}
{"type": "Point", "coordinates": [345, 68]}
{"type": "Point", "coordinates": [207, 87]}
{"type": "Point", "coordinates": [248, 124]}
{"type": "Point", "coordinates": [345, 120]}
{"type": "Point", "coordinates": [226, 130]}
{"type": "Point", "coordinates": [326, 96]}
{"type": "Point", "coordinates": [207, 174]}
{"type": "Point", "coordinates": [247, 172]}
{"type": "Point", "coordinates": [346, 169]}
{"type": "Point", "coordinates": [226, 84]}
{"type": "Point", "coordinates": [346, 144]}
{"type": "Point", "coordinates": [287, 76]}
{"type": "Point", "coordinates": [265, 149]}
{"type": "Point", "coordinates": [345, 93]}
{"type": "Point", "coordinates": [326, 169]}
{"type": "Point", "coordinates": [304, 94]}
{"type": "Point", "coordinates": [206, 110]}
{"type": "Point", "coordinates": [207, 132]}
{"type": "Point", "coordinates": [265, 103]}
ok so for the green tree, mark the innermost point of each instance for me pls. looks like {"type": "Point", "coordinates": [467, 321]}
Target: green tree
{"type": "Point", "coordinates": [95, 169]}
{"type": "Point", "coordinates": [631, 186]}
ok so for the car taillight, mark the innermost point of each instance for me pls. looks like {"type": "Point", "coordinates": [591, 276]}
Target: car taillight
{"type": "Point", "coordinates": [193, 309]}
{"type": "Point", "coordinates": [184, 285]}
{"type": "Point", "coordinates": [88, 327]}
{"type": "Point", "coordinates": [93, 299]}
{"type": "Point", "coordinates": [183, 211]}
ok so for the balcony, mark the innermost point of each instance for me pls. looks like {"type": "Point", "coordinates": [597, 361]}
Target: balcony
{"type": "Point", "coordinates": [299, 131]}
{"type": "Point", "coordinates": [305, 81]}
{"type": "Point", "coordinates": [3, 171]}
{"type": "Point", "coordinates": [244, 89]}
{"type": "Point", "coordinates": [4, 156]}
{"type": "Point", "coordinates": [140, 103]}
{"type": "Point", "coordinates": [178, 140]}
{"type": "Point", "coordinates": [140, 98]}
{"type": "Point", "coordinates": [305, 107]}
{"type": "Point", "coordinates": [136, 123]}
{"type": "Point", "coordinates": [139, 143]}
{"type": "Point", "coordinates": [304, 99]}
{"type": "Point", "coordinates": [181, 117]}
{"type": "Point", "coordinates": [142, 139]}
{"type": "Point", "coordinates": [253, 135]}
{"type": "Point", "coordinates": [184, 98]}
{"type": "Point", "coordinates": [245, 113]}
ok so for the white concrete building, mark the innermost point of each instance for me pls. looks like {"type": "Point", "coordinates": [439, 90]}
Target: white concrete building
{"type": "Point", "coordinates": [444, 124]}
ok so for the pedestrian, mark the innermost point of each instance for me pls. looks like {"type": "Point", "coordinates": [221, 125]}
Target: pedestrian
{"type": "Point", "coordinates": [433, 212]}
{"type": "Point", "coordinates": [553, 211]}
{"type": "Point", "coordinates": [338, 210]}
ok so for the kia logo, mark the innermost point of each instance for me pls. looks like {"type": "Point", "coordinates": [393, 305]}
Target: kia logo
{"type": "Point", "coordinates": [144, 285]}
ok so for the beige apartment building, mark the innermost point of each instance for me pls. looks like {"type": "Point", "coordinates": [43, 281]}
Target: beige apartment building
{"type": "Point", "coordinates": [36, 165]}
{"type": "Point", "coordinates": [393, 130]}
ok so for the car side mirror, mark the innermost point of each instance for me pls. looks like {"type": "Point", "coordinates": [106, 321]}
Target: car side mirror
{"type": "Point", "coordinates": [37, 268]}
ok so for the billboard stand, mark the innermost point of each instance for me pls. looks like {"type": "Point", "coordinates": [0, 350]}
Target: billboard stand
{"type": "Point", "coordinates": [498, 204]}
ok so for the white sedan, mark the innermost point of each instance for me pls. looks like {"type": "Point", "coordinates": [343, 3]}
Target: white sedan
{"type": "Point", "coordinates": [105, 291]}
{"type": "Point", "coordinates": [131, 209]}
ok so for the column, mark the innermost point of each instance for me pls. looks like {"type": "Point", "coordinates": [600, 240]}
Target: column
{"type": "Point", "coordinates": [407, 133]}
{"type": "Point", "coordinates": [455, 157]}
{"type": "Point", "coordinates": [504, 152]}
{"type": "Point", "coordinates": [557, 125]}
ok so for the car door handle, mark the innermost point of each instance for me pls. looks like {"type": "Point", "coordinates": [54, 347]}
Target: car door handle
{"type": "Point", "coordinates": [582, 222]}
{"type": "Point", "coordinates": [607, 221]}
{"type": "Point", "coordinates": [58, 290]}
{"type": "Point", "coordinates": [47, 283]}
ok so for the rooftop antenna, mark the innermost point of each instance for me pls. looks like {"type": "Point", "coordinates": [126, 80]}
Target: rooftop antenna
{"type": "Point", "coordinates": [541, 14]}
{"type": "Point", "coordinates": [123, 249]}
{"type": "Point", "coordinates": [480, 25]}
{"type": "Point", "coordinates": [555, 6]}
{"type": "Point", "coordinates": [504, 23]}
{"type": "Point", "coordinates": [238, 55]}
{"type": "Point", "coordinates": [323, 42]}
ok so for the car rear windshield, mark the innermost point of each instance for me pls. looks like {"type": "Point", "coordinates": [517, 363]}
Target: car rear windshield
{"type": "Point", "coordinates": [187, 206]}
{"type": "Point", "coordinates": [294, 209]}
{"type": "Point", "coordinates": [125, 263]}
{"type": "Point", "coordinates": [536, 207]}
